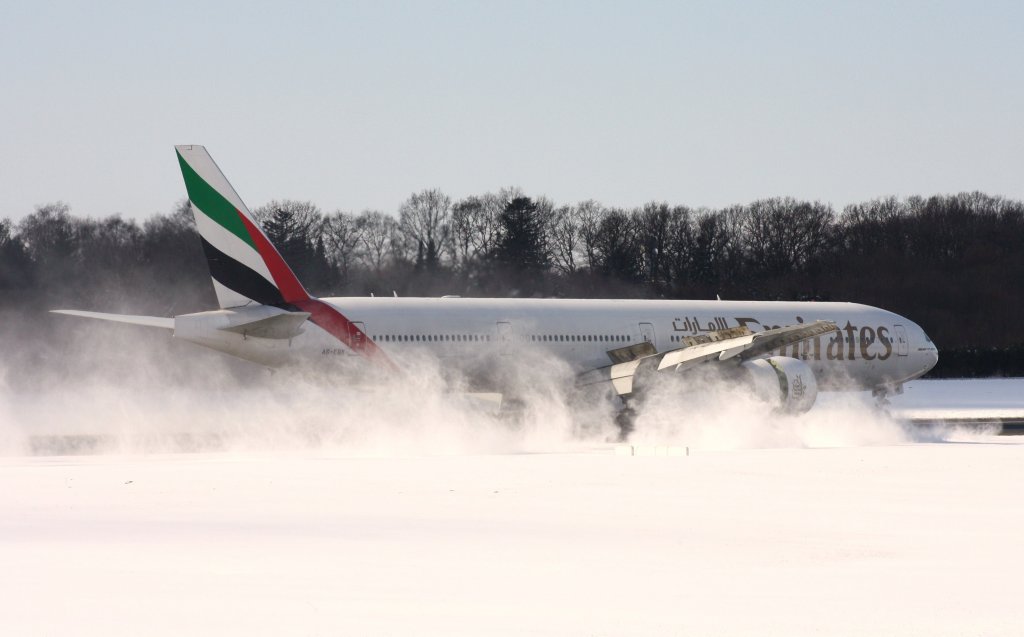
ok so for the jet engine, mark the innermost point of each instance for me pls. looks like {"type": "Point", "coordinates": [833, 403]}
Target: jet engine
{"type": "Point", "coordinates": [786, 383]}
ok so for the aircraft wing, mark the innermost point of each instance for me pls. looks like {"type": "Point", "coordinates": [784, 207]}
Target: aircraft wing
{"type": "Point", "coordinates": [738, 344]}
{"type": "Point", "coordinates": [770, 340]}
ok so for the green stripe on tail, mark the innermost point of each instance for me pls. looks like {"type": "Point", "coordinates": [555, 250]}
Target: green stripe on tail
{"type": "Point", "coordinates": [212, 203]}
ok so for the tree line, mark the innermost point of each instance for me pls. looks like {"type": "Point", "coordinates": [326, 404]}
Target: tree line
{"type": "Point", "coordinates": [952, 263]}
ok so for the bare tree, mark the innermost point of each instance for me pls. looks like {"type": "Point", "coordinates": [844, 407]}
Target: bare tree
{"type": "Point", "coordinates": [716, 248]}
{"type": "Point", "coordinates": [564, 236]}
{"type": "Point", "coordinates": [783, 234]}
{"type": "Point", "coordinates": [661, 232]}
{"type": "Point", "coordinates": [377, 237]}
{"type": "Point", "coordinates": [342, 237]}
{"type": "Point", "coordinates": [617, 250]}
{"type": "Point", "coordinates": [288, 220]}
{"type": "Point", "coordinates": [296, 230]}
{"type": "Point", "coordinates": [49, 232]}
{"type": "Point", "coordinates": [589, 215]}
{"type": "Point", "coordinates": [475, 228]}
{"type": "Point", "coordinates": [15, 266]}
{"type": "Point", "coordinates": [874, 225]}
{"type": "Point", "coordinates": [426, 219]}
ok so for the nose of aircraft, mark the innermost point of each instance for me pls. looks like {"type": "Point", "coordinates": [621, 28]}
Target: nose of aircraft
{"type": "Point", "coordinates": [926, 353]}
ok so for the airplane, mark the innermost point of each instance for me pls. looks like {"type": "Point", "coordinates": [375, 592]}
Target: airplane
{"type": "Point", "coordinates": [783, 352]}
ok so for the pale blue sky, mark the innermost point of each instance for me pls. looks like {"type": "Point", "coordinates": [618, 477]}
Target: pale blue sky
{"type": "Point", "coordinates": [356, 105]}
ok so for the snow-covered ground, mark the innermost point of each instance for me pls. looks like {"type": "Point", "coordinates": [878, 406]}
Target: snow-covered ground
{"type": "Point", "coordinates": [976, 398]}
{"type": "Point", "coordinates": [819, 532]}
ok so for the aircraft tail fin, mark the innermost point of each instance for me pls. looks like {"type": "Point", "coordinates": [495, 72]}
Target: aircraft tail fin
{"type": "Point", "coordinates": [244, 264]}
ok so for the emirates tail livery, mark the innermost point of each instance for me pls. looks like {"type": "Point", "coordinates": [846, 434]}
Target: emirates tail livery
{"type": "Point", "coordinates": [783, 351]}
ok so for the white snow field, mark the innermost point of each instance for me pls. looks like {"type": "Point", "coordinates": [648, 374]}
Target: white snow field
{"type": "Point", "coordinates": [808, 529]}
{"type": "Point", "coordinates": [959, 399]}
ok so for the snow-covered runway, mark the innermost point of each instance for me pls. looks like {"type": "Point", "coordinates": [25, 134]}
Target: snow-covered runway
{"type": "Point", "coordinates": [912, 539]}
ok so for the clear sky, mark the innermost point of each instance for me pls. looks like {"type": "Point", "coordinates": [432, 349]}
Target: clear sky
{"type": "Point", "coordinates": [356, 105]}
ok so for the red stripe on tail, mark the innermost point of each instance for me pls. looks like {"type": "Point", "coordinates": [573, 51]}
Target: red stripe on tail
{"type": "Point", "coordinates": [321, 314]}
{"type": "Point", "coordinates": [286, 281]}
{"type": "Point", "coordinates": [334, 323]}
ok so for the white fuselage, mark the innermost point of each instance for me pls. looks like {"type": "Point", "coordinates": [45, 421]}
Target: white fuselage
{"type": "Point", "coordinates": [873, 349]}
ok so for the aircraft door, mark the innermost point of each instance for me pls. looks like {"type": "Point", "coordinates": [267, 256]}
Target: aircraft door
{"type": "Point", "coordinates": [357, 335]}
{"type": "Point", "coordinates": [504, 336]}
{"type": "Point", "coordinates": [902, 344]}
{"type": "Point", "coordinates": [647, 333]}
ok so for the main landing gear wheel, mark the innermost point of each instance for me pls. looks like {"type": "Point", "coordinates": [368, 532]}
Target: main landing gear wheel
{"type": "Point", "coordinates": [881, 394]}
{"type": "Point", "coordinates": [625, 420]}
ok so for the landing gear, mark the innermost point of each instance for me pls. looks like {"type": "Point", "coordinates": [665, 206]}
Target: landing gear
{"type": "Point", "coordinates": [881, 396]}
{"type": "Point", "coordinates": [882, 392]}
{"type": "Point", "coordinates": [625, 420]}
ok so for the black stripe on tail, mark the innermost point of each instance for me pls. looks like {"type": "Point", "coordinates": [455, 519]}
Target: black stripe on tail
{"type": "Point", "coordinates": [240, 278]}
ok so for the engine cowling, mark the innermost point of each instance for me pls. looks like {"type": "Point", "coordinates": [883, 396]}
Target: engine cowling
{"type": "Point", "coordinates": [786, 383]}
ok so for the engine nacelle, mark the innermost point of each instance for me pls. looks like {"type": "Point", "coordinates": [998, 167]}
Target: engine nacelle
{"type": "Point", "coordinates": [786, 383]}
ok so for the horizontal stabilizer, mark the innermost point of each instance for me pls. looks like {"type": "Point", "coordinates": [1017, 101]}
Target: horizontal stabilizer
{"type": "Point", "coordinates": [147, 321]}
{"type": "Point", "coordinates": [287, 325]}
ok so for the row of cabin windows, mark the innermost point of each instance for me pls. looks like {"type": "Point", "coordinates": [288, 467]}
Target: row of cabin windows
{"type": "Point", "coordinates": [433, 338]}
{"type": "Point", "coordinates": [545, 338]}
{"type": "Point", "coordinates": [477, 338]}
{"type": "Point", "coordinates": [542, 338]}
{"type": "Point", "coordinates": [578, 338]}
